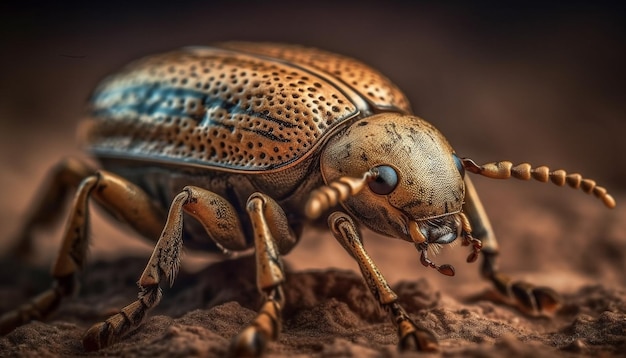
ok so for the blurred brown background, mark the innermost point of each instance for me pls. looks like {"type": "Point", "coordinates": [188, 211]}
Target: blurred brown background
{"type": "Point", "coordinates": [541, 83]}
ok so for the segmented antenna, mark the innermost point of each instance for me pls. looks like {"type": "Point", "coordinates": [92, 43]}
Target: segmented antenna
{"type": "Point", "coordinates": [524, 171]}
{"type": "Point", "coordinates": [330, 195]}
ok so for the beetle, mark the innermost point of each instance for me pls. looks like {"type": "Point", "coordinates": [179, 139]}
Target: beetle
{"type": "Point", "coordinates": [247, 143]}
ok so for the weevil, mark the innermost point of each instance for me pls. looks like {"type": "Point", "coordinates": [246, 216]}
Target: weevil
{"type": "Point", "coordinates": [248, 143]}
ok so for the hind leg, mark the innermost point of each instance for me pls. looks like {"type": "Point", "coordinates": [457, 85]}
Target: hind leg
{"type": "Point", "coordinates": [122, 198]}
{"type": "Point", "coordinates": [221, 222]}
{"type": "Point", "coordinates": [48, 204]}
{"type": "Point", "coordinates": [528, 298]}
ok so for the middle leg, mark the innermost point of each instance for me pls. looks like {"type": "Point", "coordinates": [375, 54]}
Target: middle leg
{"type": "Point", "coordinates": [221, 222]}
{"type": "Point", "coordinates": [272, 237]}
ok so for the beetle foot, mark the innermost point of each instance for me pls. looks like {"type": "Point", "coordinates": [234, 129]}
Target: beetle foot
{"type": "Point", "coordinates": [536, 301]}
{"type": "Point", "coordinates": [528, 298]}
{"type": "Point", "coordinates": [97, 337]}
{"type": "Point", "coordinates": [251, 342]}
{"type": "Point", "coordinates": [413, 338]}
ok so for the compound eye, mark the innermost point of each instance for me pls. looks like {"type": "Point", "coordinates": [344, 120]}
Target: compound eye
{"type": "Point", "coordinates": [386, 180]}
{"type": "Point", "coordinates": [459, 165]}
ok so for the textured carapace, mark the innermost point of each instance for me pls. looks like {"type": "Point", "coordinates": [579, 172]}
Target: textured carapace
{"type": "Point", "coordinates": [377, 89]}
{"type": "Point", "coordinates": [235, 106]}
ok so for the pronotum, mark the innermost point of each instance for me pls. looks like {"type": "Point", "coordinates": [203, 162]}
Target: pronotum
{"type": "Point", "coordinates": [253, 142]}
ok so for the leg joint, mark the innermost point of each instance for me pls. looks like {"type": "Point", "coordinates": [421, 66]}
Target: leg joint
{"type": "Point", "coordinates": [256, 203]}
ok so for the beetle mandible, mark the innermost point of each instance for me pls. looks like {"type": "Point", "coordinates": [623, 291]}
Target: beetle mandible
{"type": "Point", "coordinates": [247, 143]}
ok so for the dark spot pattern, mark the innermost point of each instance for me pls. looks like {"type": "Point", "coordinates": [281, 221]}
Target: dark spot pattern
{"type": "Point", "coordinates": [230, 106]}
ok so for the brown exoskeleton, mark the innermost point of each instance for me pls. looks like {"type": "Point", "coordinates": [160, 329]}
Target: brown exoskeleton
{"type": "Point", "coordinates": [254, 141]}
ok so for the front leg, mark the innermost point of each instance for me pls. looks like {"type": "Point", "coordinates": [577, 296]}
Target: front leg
{"type": "Point", "coordinates": [410, 335]}
{"type": "Point", "coordinates": [48, 206]}
{"type": "Point", "coordinates": [530, 299]}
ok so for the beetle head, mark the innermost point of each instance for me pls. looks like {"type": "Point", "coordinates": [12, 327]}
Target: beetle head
{"type": "Point", "coordinates": [398, 175]}
{"type": "Point", "coordinates": [413, 188]}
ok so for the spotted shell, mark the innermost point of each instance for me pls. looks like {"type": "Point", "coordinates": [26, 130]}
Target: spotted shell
{"type": "Point", "coordinates": [233, 106]}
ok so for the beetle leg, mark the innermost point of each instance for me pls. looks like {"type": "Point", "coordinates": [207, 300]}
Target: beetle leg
{"type": "Point", "coordinates": [272, 237]}
{"type": "Point", "coordinates": [220, 220]}
{"type": "Point", "coordinates": [527, 297]}
{"type": "Point", "coordinates": [48, 205]}
{"type": "Point", "coordinates": [410, 334]}
{"type": "Point", "coordinates": [121, 198]}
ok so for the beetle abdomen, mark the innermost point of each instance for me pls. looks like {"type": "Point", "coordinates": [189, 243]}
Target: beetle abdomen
{"type": "Point", "coordinates": [219, 108]}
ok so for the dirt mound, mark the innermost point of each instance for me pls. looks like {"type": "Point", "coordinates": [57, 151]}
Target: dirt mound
{"type": "Point", "coordinates": [328, 313]}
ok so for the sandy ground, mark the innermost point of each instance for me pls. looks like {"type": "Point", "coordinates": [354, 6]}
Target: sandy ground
{"type": "Point", "coordinates": [329, 313]}
{"type": "Point", "coordinates": [542, 85]}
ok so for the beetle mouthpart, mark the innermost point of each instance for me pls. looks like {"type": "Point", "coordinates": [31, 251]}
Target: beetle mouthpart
{"type": "Point", "coordinates": [524, 171]}
{"type": "Point", "coordinates": [438, 230]}
{"type": "Point", "coordinates": [416, 234]}
{"type": "Point", "coordinates": [446, 269]}
{"type": "Point", "coordinates": [468, 239]}
{"type": "Point", "coordinates": [477, 245]}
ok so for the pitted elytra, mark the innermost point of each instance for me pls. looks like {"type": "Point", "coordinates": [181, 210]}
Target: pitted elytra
{"type": "Point", "coordinates": [253, 142]}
